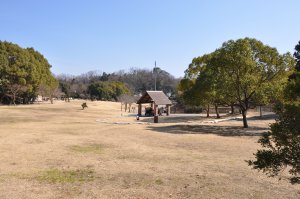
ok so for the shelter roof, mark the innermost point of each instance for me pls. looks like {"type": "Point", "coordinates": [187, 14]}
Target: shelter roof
{"type": "Point", "coordinates": [158, 97]}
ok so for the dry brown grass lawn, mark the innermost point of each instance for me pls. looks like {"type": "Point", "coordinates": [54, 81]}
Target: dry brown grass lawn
{"type": "Point", "coordinates": [61, 151]}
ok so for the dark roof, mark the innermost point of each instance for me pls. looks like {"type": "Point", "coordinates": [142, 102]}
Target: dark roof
{"type": "Point", "coordinates": [158, 97]}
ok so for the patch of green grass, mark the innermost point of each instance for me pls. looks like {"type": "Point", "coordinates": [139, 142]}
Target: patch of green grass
{"type": "Point", "coordinates": [159, 182]}
{"type": "Point", "coordinates": [19, 175]}
{"type": "Point", "coordinates": [91, 148]}
{"type": "Point", "coordinates": [66, 176]}
{"type": "Point", "coordinates": [2, 178]}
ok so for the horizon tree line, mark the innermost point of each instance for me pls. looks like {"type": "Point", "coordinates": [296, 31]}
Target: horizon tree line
{"type": "Point", "coordinates": [25, 74]}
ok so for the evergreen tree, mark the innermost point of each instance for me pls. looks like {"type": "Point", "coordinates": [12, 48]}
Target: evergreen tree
{"type": "Point", "coordinates": [281, 145]}
{"type": "Point", "coordinates": [22, 71]}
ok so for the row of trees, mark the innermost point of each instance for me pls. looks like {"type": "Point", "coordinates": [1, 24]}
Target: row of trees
{"type": "Point", "coordinates": [242, 73]}
{"type": "Point", "coordinates": [23, 73]}
{"type": "Point", "coordinates": [111, 86]}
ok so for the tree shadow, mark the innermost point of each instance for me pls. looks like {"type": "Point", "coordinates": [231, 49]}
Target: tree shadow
{"type": "Point", "coordinates": [210, 129]}
{"type": "Point", "coordinates": [172, 119]}
{"type": "Point", "coordinates": [271, 116]}
{"type": "Point", "coordinates": [202, 118]}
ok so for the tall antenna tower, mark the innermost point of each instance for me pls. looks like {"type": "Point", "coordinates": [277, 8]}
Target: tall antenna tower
{"type": "Point", "coordinates": [155, 75]}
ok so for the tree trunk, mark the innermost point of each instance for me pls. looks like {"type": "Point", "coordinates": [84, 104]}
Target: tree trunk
{"type": "Point", "coordinates": [125, 107]}
{"type": "Point", "coordinates": [129, 108]}
{"type": "Point", "coordinates": [232, 109]}
{"type": "Point", "coordinates": [207, 111]}
{"type": "Point", "coordinates": [260, 112]}
{"type": "Point", "coordinates": [217, 111]}
{"type": "Point", "coordinates": [51, 99]}
{"type": "Point", "coordinates": [244, 113]}
{"type": "Point", "coordinates": [14, 99]}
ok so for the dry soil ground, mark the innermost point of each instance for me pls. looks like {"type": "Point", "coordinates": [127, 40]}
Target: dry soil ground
{"type": "Point", "coordinates": [61, 151]}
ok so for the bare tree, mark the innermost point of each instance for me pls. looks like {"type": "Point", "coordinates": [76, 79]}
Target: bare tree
{"type": "Point", "coordinates": [127, 100]}
{"type": "Point", "coordinates": [15, 90]}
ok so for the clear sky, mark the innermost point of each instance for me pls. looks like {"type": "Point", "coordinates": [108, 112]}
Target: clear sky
{"type": "Point", "coordinates": [77, 36]}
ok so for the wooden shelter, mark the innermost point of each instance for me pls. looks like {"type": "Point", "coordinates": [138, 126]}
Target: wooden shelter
{"type": "Point", "coordinates": [155, 98]}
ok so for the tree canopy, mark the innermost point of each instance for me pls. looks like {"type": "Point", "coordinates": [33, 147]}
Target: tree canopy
{"type": "Point", "coordinates": [22, 71]}
{"type": "Point", "coordinates": [297, 56]}
{"type": "Point", "coordinates": [107, 90]}
{"type": "Point", "coordinates": [281, 145]}
{"type": "Point", "coordinates": [244, 72]}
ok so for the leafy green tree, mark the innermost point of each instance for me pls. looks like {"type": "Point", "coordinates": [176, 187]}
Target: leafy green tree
{"type": "Point", "coordinates": [297, 56]}
{"type": "Point", "coordinates": [281, 145]}
{"type": "Point", "coordinates": [21, 72]}
{"type": "Point", "coordinates": [206, 87]}
{"type": "Point", "coordinates": [248, 67]}
{"type": "Point", "coordinates": [195, 88]}
{"type": "Point", "coordinates": [107, 90]}
{"type": "Point", "coordinates": [185, 90]}
{"type": "Point", "coordinates": [244, 72]}
{"type": "Point", "coordinates": [66, 89]}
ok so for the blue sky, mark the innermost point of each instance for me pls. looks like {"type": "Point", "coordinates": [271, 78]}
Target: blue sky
{"type": "Point", "coordinates": [77, 36]}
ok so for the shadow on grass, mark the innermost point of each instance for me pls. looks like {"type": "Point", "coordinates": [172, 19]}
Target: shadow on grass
{"type": "Point", "coordinates": [210, 129]}
{"type": "Point", "coordinates": [271, 116]}
{"type": "Point", "coordinates": [175, 118]}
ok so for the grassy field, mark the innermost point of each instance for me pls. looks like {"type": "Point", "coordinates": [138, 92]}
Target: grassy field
{"type": "Point", "coordinates": [61, 151]}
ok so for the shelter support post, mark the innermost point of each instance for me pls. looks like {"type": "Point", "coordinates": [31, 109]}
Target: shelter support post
{"type": "Point", "coordinates": [155, 109]}
{"type": "Point", "coordinates": [156, 119]}
{"type": "Point", "coordinates": [140, 110]}
{"type": "Point", "coordinates": [155, 113]}
{"type": "Point", "coordinates": [168, 109]}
